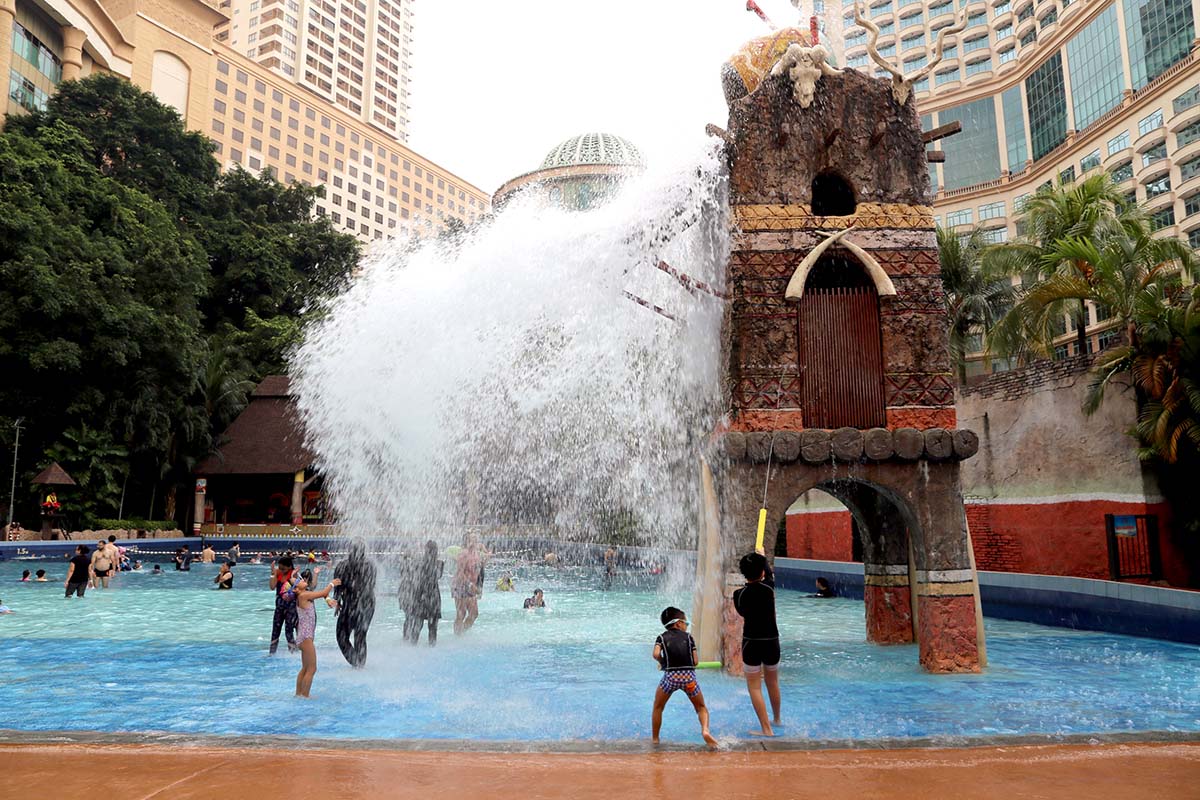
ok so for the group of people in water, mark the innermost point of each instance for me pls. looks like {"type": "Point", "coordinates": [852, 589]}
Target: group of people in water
{"type": "Point", "coordinates": [351, 594]}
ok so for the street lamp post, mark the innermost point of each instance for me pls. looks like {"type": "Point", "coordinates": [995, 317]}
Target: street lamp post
{"type": "Point", "coordinates": [12, 492]}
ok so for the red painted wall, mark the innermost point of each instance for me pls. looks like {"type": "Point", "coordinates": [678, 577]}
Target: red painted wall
{"type": "Point", "coordinates": [824, 535]}
{"type": "Point", "coordinates": [1066, 538]}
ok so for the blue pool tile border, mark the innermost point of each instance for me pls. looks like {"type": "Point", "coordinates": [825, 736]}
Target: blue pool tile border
{"type": "Point", "coordinates": [1079, 603]}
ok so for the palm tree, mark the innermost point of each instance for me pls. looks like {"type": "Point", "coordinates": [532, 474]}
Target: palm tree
{"type": "Point", "coordinates": [1124, 269]}
{"type": "Point", "coordinates": [976, 298]}
{"type": "Point", "coordinates": [1090, 210]}
{"type": "Point", "coordinates": [1163, 358]}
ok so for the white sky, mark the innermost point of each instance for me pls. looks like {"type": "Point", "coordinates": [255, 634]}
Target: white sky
{"type": "Point", "coordinates": [498, 83]}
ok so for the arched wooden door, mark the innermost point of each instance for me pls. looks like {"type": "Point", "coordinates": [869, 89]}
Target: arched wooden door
{"type": "Point", "coordinates": [841, 350]}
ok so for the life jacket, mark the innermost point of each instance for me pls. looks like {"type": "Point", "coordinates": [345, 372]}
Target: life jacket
{"type": "Point", "coordinates": [286, 589]}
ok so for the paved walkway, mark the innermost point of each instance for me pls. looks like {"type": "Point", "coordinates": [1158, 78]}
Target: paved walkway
{"type": "Point", "coordinates": [133, 772]}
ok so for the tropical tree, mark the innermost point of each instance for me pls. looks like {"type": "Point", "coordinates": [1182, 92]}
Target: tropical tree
{"type": "Point", "coordinates": [141, 289]}
{"type": "Point", "coordinates": [131, 137]}
{"type": "Point", "coordinates": [1122, 265]}
{"type": "Point", "coordinates": [98, 299]}
{"type": "Point", "coordinates": [976, 297]}
{"type": "Point", "coordinates": [97, 464]}
{"type": "Point", "coordinates": [1163, 359]}
{"type": "Point", "coordinates": [1090, 210]}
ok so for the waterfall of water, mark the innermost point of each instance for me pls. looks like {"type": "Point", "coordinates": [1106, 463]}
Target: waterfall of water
{"type": "Point", "coordinates": [508, 378]}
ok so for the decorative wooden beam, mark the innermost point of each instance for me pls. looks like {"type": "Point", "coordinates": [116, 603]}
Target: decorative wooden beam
{"type": "Point", "coordinates": [647, 304]}
{"type": "Point", "coordinates": [935, 156]}
{"type": "Point", "coordinates": [941, 131]}
{"type": "Point", "coordinates": [720, 133]}
{"type": "Point", "coordinates": [690, 283]}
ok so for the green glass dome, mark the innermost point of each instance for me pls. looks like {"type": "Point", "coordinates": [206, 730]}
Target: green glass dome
{"type": "Point", "coordinates": [593, 148]}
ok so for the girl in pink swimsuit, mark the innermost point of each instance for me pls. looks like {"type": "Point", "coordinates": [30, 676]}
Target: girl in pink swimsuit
{"type": "Point", "coordinates": [306, 629]}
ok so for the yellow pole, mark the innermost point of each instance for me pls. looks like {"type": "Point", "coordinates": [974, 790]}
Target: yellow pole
{"type": "Point", "coordinates": [762, 529]}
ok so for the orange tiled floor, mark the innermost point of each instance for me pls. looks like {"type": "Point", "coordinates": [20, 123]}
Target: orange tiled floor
{"type": "Point", "coordinates": [1160, 772]}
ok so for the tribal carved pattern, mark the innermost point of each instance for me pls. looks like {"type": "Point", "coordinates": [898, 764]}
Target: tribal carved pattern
{"type": "Point", "coordinates": [770, 303]}
{"type": "Point", "coordinates": [903, 263]}
{"type": "Point", "coordinates": [919, 389]}
{"type": "Point", "coordinates": [761, 391]}
{"type": "Point", "coordinates": [799, 216]}
{"type": "Point", "coordinates": [752, 264]}
{"type": "Point", "coordinates": [915, 295]}
{"type": "Point", "coordinates": [764, 263]}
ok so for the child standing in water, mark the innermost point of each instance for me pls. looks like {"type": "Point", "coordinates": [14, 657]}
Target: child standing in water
{"type": "Point", "coordinates": [760, 637]}
{"type": "Point", "coordinates": [306, 629]}
{"type": "Point", "coordinates": [675, 652]}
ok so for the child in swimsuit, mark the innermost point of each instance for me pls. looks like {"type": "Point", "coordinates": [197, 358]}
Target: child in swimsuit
{"type": "Point", "coordinates": [675, 652]}
{"type": "Point", "coordinates": [306, 629]}
{"type": "Point", "coordinates": [755, 602]}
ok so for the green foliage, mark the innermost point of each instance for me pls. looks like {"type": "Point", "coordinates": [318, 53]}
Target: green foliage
{"type": "Point", "coordinates": [1091, 210]}
{"type": "Point", "coordinates": [270, 264]}
{"type": "Point", "coordinates": [128, 135]}
{"type": "Point", "coordinates": [98, 298]}
{"type": "Point", "coordinates": [98, 466]}
{"type": "Point", "coordinates": [976, 296]}
{"type": "Point", "coordinates": [1086, 243]}
{"type": "Point", "coordinates": [618, 526]}
{"type": "Point", "coordinates": [142, 293]}
{"type": "Point", "coordinates": [135, 524]}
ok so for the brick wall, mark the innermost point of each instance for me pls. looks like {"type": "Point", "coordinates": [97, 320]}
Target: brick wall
{"type": "Point", "coordinates": [995, 550]}
{"type": "Point", "coordinates": [1018, 383]}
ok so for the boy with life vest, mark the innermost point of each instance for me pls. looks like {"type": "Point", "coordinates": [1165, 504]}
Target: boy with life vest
{"type": "Point", "coordinates": [675, 652]}
{"type": "Point", "coordinates": [284, 580]}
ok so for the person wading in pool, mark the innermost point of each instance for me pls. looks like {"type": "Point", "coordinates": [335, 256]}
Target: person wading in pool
{"type": "Point", "coordinates": [78, 572]}
{"type": "Point", "coordinates": [466, 587]}
{"type": "Point", "coordinates": [307, 615]}
{"type": "Point", "coordinates": [355, 598]}
{"type": "Point", "coordinates": [103, 565]}
{"type": "Point", "coordinates": [760, 637]}
{"type": "Point", "coordinates": [283, 580]}
{"type": "Point", "coordinates": [420, 595]}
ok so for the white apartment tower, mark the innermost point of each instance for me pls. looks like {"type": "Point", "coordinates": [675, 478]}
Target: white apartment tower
{"type": "Point", "coordinates": [354, 53]}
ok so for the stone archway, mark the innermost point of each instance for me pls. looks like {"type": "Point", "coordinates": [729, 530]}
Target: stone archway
{"type": "Point", "coordinates": [919, 585]}
{"type": "Point", "coordinates": [882, 524]}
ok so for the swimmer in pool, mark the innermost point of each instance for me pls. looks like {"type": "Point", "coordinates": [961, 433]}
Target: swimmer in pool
{"type": "Point", "coordinates": [506, 583]}
{"type": "Point", "coordinates": [41, 576]}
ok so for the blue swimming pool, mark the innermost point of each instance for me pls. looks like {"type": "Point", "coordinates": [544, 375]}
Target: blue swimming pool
{"type": "Point", "coordinates": [168, 653]}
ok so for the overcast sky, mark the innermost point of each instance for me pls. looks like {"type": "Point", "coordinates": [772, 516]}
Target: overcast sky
{"type": "Point", "coordinates": [498, 83]}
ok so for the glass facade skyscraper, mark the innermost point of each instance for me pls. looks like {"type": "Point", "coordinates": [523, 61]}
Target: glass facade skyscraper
{"type": "Point", "coordinates": [1050, 91]}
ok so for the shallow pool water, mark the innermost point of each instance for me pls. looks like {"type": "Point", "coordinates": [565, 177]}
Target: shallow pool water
{"type": "Point", "coordinates": [169, 653]}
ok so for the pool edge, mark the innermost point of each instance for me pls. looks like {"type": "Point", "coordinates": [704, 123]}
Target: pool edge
{"type": "Point", "coordinates": [9, 737]}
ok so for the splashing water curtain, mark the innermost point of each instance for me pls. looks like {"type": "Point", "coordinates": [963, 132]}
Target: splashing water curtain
{"type": "Point", "coordinates": [554, 368]}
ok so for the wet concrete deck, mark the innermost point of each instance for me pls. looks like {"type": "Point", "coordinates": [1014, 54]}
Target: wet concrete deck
{"type": "Point", "coordinates": [141, 772]}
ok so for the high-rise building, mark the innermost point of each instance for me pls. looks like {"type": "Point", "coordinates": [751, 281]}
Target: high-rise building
{"type": "Point", "coordinates": [349, 52]}
{"type": "Point", "coordinates": [1048, 91]}
{"type": "Point", "coordinates": [259, 119]}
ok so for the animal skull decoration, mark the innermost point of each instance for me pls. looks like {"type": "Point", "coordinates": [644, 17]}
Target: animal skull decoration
{"type": "Point", "coordinates": [804, 66]}
{"type": "Point", "coordinates": [902, 84]}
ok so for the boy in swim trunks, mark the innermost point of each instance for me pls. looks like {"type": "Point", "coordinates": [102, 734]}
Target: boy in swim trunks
{"type": "Point", "coordinates": [675, 652]}
{"type": "Point", "coordinates": [760, 636]}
